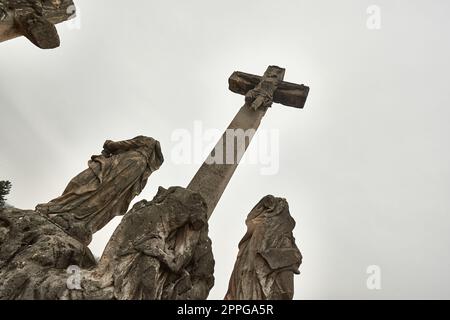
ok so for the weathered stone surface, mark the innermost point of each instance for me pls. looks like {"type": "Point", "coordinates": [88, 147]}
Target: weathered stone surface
{"type": "Point", "coordinates": [34, 256]}
{"type": "Point", "coordinates": [161, 250]}
{"type": "Point", "coordinates": [106, 188]}
{"type": "Point", "coordinates": [268, 256]}
{"type": "Point", "coordinates": [262, 95]}
{"type": "Point", "coordinates": [34, 19]}
{"type": "Point", "coordinates": [287, 93]}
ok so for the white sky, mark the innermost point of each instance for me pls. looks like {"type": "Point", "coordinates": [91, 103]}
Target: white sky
{"type": "Point", "coordinates": [365, 166]}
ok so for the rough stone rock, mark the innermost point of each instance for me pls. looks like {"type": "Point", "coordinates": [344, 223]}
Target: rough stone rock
{"type": "Point", "coordinates": [34, 256]}
{"type": "Point", "coordinates": [268, 257]}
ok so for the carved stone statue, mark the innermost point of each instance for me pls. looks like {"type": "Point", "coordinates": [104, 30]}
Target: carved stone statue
{"type": "Point", "coordinates": [34, 19]}
{"type": "Point", "coordinates": [106, 188]}
{"type": "Point", "coordinates": [161, 250]}
{"type": "Point", "coordinates": [268, 256]}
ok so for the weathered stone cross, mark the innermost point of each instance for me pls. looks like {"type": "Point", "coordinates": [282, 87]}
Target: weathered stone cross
{"type": "Point", "coordinates": [260, 92]}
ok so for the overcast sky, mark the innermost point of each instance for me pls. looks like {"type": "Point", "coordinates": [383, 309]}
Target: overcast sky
{"type": "Point", "coordinates": [365, 166]}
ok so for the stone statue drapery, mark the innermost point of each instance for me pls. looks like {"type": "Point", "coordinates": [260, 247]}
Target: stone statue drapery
{"type": "Point", "coordinates": [161, 250]}
{"type": "Point", "coordinates": [106, 188]}
{"type": "Point", "coordinates": [268, 257]}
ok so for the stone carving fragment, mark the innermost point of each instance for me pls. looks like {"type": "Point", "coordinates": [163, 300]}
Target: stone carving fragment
{"type": "Point", "coordinates": [34, 19]}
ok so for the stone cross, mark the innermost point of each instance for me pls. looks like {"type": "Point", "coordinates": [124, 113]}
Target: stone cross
{"type": "Point", "coordinates": [260, 92]}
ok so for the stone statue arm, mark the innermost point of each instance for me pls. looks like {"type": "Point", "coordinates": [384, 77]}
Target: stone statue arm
{"type": "Point", "coordinates": [174, 259]}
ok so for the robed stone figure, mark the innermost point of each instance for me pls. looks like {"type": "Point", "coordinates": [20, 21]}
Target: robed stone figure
{"type": "Point", "coordinates": [160, 250]}
{"type": "Point", "coordinates": [268, 257]}
{"type": "Point", "coordinates": [106, 188]}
